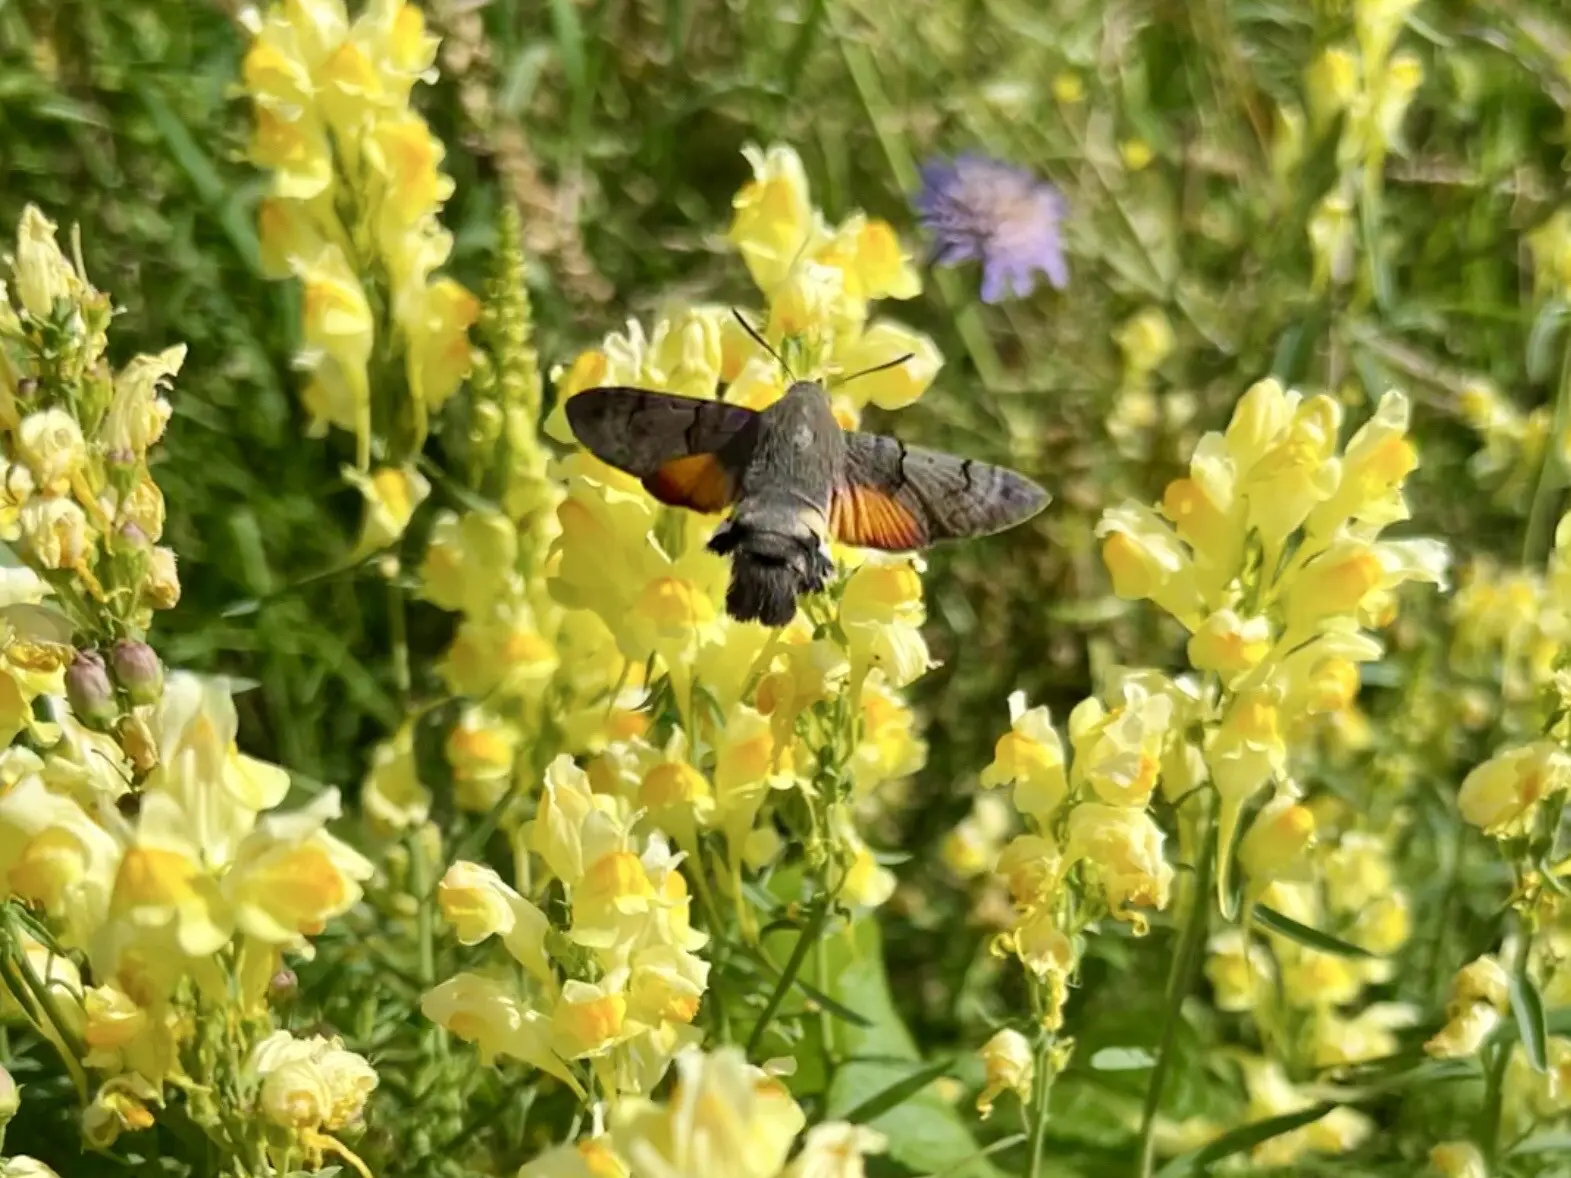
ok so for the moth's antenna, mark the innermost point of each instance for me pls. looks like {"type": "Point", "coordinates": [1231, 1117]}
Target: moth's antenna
{"type": "Point", "coordinates": [887, 364]}
{"type": "Point", "coordinates": [762, 342]}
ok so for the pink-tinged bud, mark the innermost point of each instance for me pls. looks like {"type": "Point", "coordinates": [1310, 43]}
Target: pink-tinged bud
{"type": "Point", "coordinates": [133, 535]}
{"type": "Point", "coordinates": [283, 986]}
{"type": "Point", "coordinates": [91, 694]}
{"type": "Point", "coordinates": [137, 670]}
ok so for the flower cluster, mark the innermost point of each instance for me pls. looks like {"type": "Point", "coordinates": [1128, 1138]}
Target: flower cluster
{"type": "Point", "coordinates": [353, 213]}
{"type": "Point", "coordinates": [163, 881]}
{"type": "Point", "coordinates": [1269, 554]}
{"type": "Point", "coordinates": [632, 981]}
{"type": "Point", "coordinates": [78, 503]}
{"type": "Point", "coordinates": [1365, 88]}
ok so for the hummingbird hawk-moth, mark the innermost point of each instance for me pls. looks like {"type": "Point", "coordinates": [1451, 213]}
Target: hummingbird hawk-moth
{"type": "Point", "coordinates": [793, 478]}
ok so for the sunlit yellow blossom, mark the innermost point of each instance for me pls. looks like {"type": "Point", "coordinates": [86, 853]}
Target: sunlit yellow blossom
{"type": "Point", "coordinates": [439, 356]}
{"type": "Point", "coordinates": [897, 386]}
{"type": "Point", "coordinates": [1278, 841]}
{"type": "Point", "coordinates": [50, 442]}
{"type": "Point", "coordinates": [481, 749]}
{"type": "Point", "coordinates": [1010, 1067]}
{"type": "Point", "coordinates": [1123, 847]}
{"type": "Point", "coordinates": [1238, 970]}
{"type": "Point", "coordinates": [391, 495]}
{"type": "Point", "coordinates": [1458, 1159]}
{"type": "Point", "coordinates": [479, 905]}
{"type": "Point", "coordinates": [1230, 645]}
{"type": "Point", "coordinates": [391, 796]}
{"type": "Point", "coordinates": [1118, 752]}
{"type": "Point", "coordinates": [589, 1020]}
{"type": "Point", "coordinates": [835, 1149]}
{"type": "Point", "coordinates": [1502, 795]}
{"type": "Point", "coordinates": [53, 855]}
{"type": "Point", "coordinates": [40, 268]}
{"type": "Point", "coordinates": [1146, 560]}
{"type": "Point", "coordinates": [1031, 756]}
{"type": "Point", "coordinates": [574, 826]}
{"type": "Point", "coordinates": [723, 1117]}
{"type": "Point", "coordinates": [774, 215]}
{"type": "Point", "coordinates": [290, 876]}
{"type": "Point", "coordinates": [486, 1013]}
{"type": "Point", "coordinates": [1464, 1033]}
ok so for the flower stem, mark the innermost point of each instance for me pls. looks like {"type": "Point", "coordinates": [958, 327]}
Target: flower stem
{"type": "Point", "coordinates": [808, 938]}
{"type": "Point", "coordinates": [1494, 1081]}
{"type": "Point", "coordinates": [1181, 980]}
{"type": "Point", "coordinates": [1041, 1100]}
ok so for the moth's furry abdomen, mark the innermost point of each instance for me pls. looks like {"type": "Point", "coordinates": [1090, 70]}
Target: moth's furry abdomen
{"type": "Point", "coordinates": [769, 571]}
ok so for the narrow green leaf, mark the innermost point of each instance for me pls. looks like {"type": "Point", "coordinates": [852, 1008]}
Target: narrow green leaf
{"type": "Point", "coordinates": [569, 43]}
{"type": "Point", "coordinates": [998, 1146]}
{"type": "Point", "coordinates": [1528, 1007]}
{"type": "Point", "coordinates": [1243, 1138]}
{"type": "Point", "coordinates": [1122, 1059]}
{"type": "Point", "coordinates": [899, 1092]}
{"type": "Point", "coordinates": [1312, 938]}
{"type": "Point", "coordinates": [1543, 351]}
{"type": "Point", "coordinates": [839, 1009]}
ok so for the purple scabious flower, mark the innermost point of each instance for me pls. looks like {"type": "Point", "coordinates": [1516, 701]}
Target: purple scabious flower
{"type": "Point", "coordinates": [987, 210]}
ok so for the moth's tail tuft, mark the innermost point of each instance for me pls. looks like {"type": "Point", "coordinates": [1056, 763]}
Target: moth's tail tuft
{"type": "Point", "coordinates": [762, 591]}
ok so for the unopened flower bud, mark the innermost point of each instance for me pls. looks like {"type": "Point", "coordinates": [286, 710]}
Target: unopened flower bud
{"type": "Point", "coordinates": [283, 986]}
{"type": "Point", "coordinates": [137, 670]}
{"type": "Point", "coordinates": [162, 588]}
{"type": "Point", "coordinates": [133, 536]}
{"type": "Point", "coordinates": [91, 694]}
{"type": "Point", "coordinates": [10, 1097]}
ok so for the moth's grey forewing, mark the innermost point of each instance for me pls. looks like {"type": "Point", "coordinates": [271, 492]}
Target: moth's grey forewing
{"type": "Point", "coordinates": [950, 497]}
{"type": "Point", "coordinates": [640, 431]}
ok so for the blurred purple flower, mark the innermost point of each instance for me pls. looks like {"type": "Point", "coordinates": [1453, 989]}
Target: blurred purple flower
{"type": "Point", "coordinates": [984, 209]}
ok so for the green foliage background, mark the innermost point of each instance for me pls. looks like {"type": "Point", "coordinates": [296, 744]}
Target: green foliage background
{"type": "Point", "coordinates": [617, 126]}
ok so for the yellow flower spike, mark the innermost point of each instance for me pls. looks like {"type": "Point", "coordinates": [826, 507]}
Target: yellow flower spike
{"type": "Point", "coordinates": [1331, 83]}
{"type": "Point", "coordinates": [573, 826]}
{"type": "Point", "coordinates": [391, 495]}
{"type": "Point", "coordinates": [407, 157]}
{"type": "Point", "coordinates": [774, 215]}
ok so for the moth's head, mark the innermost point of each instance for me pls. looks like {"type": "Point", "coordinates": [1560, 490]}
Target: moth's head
{"type": "Point", "coordinates": [806, 388]}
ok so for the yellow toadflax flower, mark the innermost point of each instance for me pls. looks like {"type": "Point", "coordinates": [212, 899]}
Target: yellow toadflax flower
{"type": "Point", "coordinates": [1010, 1067]}
{"type": "Point", "coordinates": [723, 1117]}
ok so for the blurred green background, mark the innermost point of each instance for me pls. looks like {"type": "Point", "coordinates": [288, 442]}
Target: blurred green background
{"type": "Point", "coordinates": [1179, 130]}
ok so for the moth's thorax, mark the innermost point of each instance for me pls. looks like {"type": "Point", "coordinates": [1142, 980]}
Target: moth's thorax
{"type": "Point", "coordinates": [796, 461]}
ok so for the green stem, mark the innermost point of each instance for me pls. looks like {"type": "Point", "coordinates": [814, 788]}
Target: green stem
{"type": "Point", "coordinates": [809, 937]}
{"type": "Point", "coordinates": [1494, 1082]}
{"type": "Point", "coordinates": [1186, 965]}
{"type": "Point", "coordinates": [1041, 1100]}
{"type": "Point", "coordinates": [968, 320]}
{"type": "Point", "coordinates": [398, 624]}
{"type": "Point", "coordinates": [1536, 536]}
